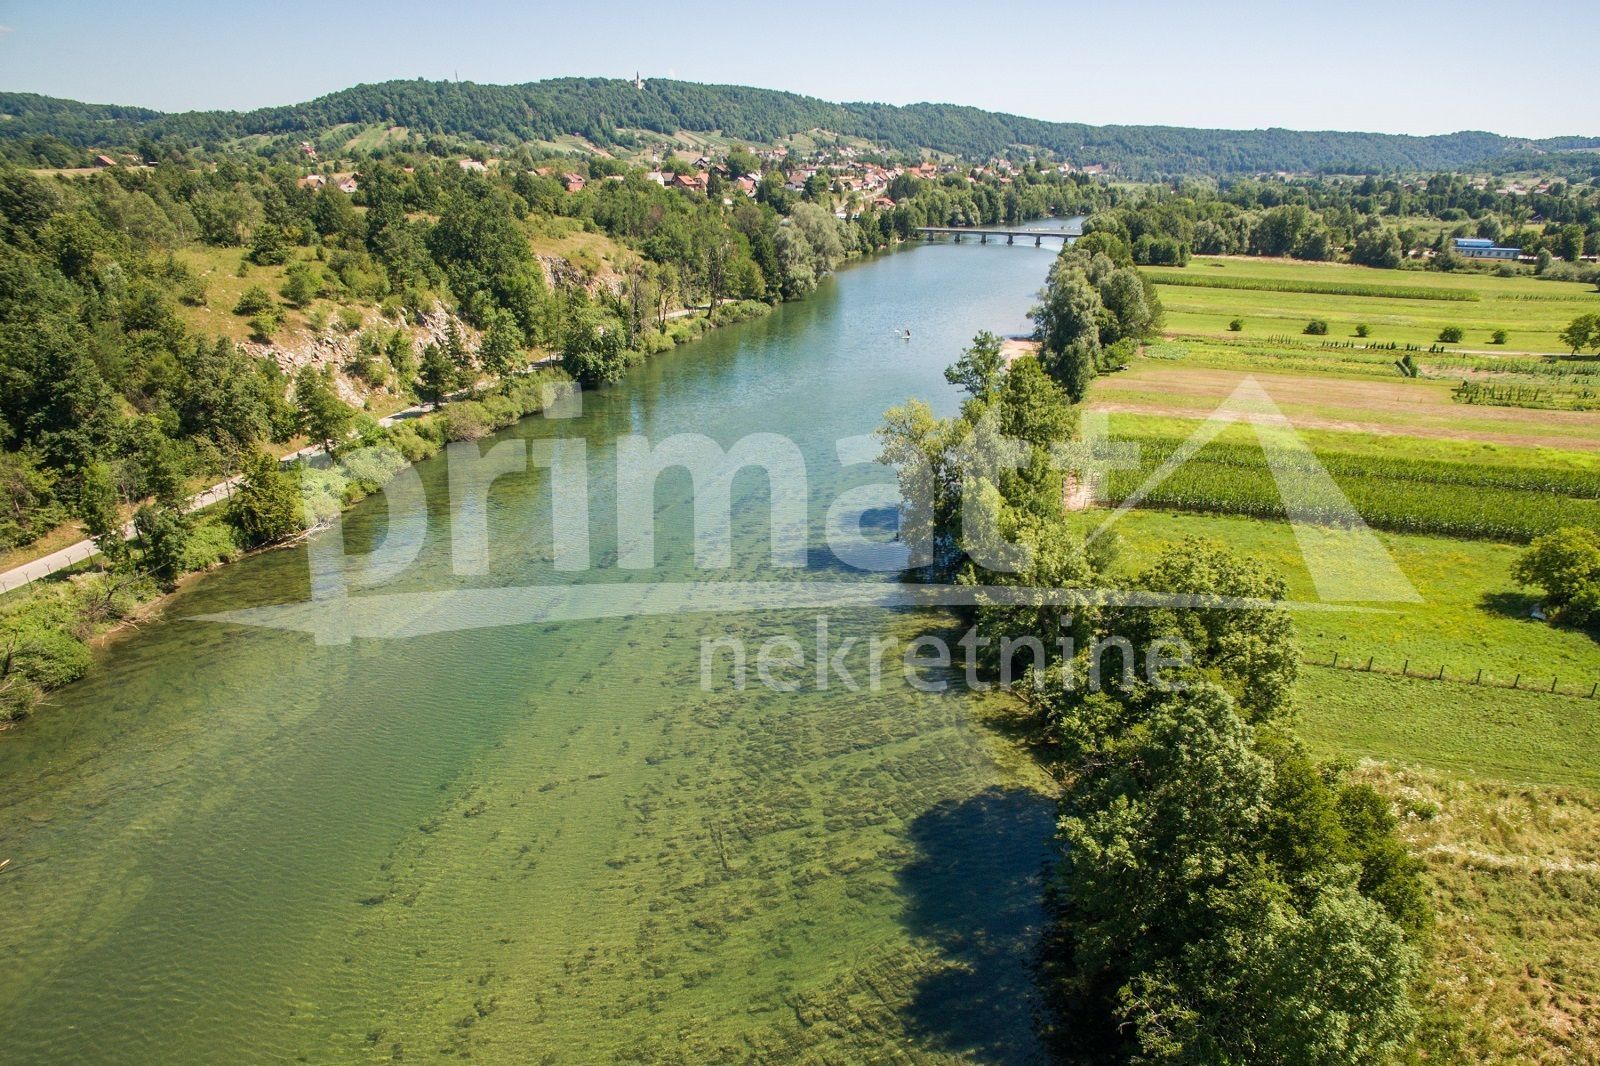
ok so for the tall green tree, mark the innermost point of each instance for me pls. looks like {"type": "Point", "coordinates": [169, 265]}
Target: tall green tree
{"type": "Point", "coordinates": [323, 416]}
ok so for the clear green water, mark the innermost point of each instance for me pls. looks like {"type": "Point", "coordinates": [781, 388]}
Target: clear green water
{"type": "Point", "coordinates": [543, 842]}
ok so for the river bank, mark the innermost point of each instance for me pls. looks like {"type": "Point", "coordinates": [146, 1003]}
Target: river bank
{"type": "Point", "coordinates": [234, 843]}
{"type": "Point", "coordinates": [49, 636]}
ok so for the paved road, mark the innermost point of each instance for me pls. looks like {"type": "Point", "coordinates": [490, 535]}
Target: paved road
{"type": "Point", "coordinates": [76, 553]}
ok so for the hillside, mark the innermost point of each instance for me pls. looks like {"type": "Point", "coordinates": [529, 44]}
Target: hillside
{"type": "Point", "coordinates": [601, 110]}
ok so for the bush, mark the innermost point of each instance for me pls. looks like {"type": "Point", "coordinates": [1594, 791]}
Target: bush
{"type": "Point", "coordinates": [468, 420]}
{"type": "Point", "coordinates": [1236, 325]}
{"type": "Point", "coordinates": [192, 292]}
{"type": "Point", "coordinates": [1363, 330]}
{"type": "Point", "coordinates": [210, 542]}
{"type": "Point", "coordinates": [253, 301]}
{"type": "Point", "coordinates": [1316, 328]}
{"type": "Point", "coordinates": [412, 440]}
{"type": "Point", "coordinates": [1450, 335]}
{"type": "Point", "coordinates": [264, 325]}
{"type": "Point", "coordinates": [1499, 336]}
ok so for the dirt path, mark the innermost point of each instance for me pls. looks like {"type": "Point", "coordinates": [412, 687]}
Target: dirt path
{"type": "Point", "coordinates": [1406, 409]}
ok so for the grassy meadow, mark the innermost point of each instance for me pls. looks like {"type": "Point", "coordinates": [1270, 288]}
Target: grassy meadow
{"type": "Point", "coordinates": [1512, 870]}
{"type": "Point", "coordinates": [1531, 311]}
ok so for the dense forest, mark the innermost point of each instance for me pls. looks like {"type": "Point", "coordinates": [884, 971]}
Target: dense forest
{"type": "Point", "coordinates": [606, 110]}
{"type": "Point", "coordinates": [117, 401]}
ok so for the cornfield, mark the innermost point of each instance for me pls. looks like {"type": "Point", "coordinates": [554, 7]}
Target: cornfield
{"type": "Point", "coordinates": [1409, 496]}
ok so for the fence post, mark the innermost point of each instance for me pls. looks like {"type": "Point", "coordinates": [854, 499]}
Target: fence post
{"type": "Point", "coordinates": [1516, 681]}
{"type": "Point", "coordinates": [1552, 684]}
{"type": "Point", "coordinates": [1405, 671]}
{"type": "Point", "coordinates": [1369, 664]}
{"type": "Point", "coordinates": [1480, 676]}
{"type": "Point", "coordinates": [1593, 689]}
{"type": "Point", "coordinates": [1335, 659]}
{"type": "Point", "coordinates": [1441, 674]}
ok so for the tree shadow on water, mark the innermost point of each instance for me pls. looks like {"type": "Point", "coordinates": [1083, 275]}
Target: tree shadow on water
{"type": "Point", "coordinates": [974, 891]}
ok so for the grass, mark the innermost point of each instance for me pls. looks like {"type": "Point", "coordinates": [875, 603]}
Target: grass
{"type": "Point", "coordinates": [218, 270]}
{"type": "Point", "coordinates": [1471, 616]}
{"type": "Point", "coordinates": [1532, 311]}
{"type": "Point", "coordinates": [1483, 734]}
{"type": "Point", "coordinates": [1318, 400]}
{"type": "Point", "coordinates": [1514, 874]}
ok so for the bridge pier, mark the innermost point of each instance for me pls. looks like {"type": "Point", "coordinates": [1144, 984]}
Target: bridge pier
{"type": "Point", "coordinates": [1011, 238]}
{"type": "Point", "coordinates": [983, 238]}
{"type": "Point", "coordinates": [1038, 241]}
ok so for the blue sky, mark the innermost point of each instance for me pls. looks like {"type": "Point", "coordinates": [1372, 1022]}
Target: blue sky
{"type": "Point", "coordinates": [1398, 66]}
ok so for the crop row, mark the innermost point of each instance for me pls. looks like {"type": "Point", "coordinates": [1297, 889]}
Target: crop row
{"type": "Point", "coordinates": [1321, 288]}
{"type": "Point", "coordinates": [1399, 506]}
{"type": "Point", "coordinates": [1346, 466]}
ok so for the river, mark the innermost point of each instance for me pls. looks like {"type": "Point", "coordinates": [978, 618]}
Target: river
{"type": "Point", "coordinates": [545, 841]}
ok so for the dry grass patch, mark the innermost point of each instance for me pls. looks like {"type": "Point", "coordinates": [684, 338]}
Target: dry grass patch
{"type": "Point", "coordinates": [1514, 873]}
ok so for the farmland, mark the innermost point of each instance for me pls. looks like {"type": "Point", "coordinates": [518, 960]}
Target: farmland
{"type": "Point", "coordinates": [1445, 701]}
{"type": "Point", "coordinates": [1204, 297]}
{"type": "Point", "coordinates": [1511, 503]}
{"type": "Point", "coordinates": [1327, 396]}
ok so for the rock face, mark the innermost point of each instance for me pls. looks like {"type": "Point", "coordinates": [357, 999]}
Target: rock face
{"type": "Point", "coordinates": [336, 348]}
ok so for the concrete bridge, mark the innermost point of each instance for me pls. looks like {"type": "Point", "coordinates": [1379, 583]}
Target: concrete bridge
{"type": "Point", "coordinates": [984, 234]}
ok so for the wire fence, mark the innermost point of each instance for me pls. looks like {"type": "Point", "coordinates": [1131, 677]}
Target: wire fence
{"type": "Point", "coordinates": [1479, 677]}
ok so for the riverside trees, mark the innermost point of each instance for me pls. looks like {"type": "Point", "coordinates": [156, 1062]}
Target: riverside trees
{"type": "Point", "coordinates": [1218, 896]}
{"type": "Point", "coordinates": [1089, 303]}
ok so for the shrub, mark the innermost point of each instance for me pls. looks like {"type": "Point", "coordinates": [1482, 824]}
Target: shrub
{"type": "Point", "coordinates": [1236, 325]}
{"type": "Point", "coordinates": [1316, 328]}
{"type": "Point", "coordinates": [1499, 336]}
{"type": "Point", "coordinates": [264, 325]}
{"type": "Point", "coordinates": [210, 542]}
{"type": "Point", "coordinates": [468, 420]}
{"type": "Point", "coordinates": [1363, 330]}
{"type": "Point", "coordinates": [301, 285]}
{"type": "Point", "coordinates": [1450, 335]}
{"type": "Point", "coordinates": [192, 292]}
{"type": "Point", "coordinates": [253, 301]}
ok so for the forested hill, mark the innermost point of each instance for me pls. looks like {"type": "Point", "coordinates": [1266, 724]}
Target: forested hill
{"type": "Point", "coordinates": [598, 109]}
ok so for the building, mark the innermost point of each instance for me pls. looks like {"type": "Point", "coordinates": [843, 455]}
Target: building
{"type": "Point", "coordinates": [574, 182]}
{"type": "Point", "coordinates": [474, 165]}
{"type": "Point", "coordinates": [104, 161]}
{"type": "Point", "coordinates": [1482, 248]}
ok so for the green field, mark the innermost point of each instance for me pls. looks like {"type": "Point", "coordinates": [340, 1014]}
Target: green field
{"type": "Point", "coordinates": [1472, 617]}
{"type": "Point", "coordinates": [1530, 310]}
{"type": "Point", "coordinates": [1405, 494]}
{"type": "Point", "coordinates": [1377, 446]}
